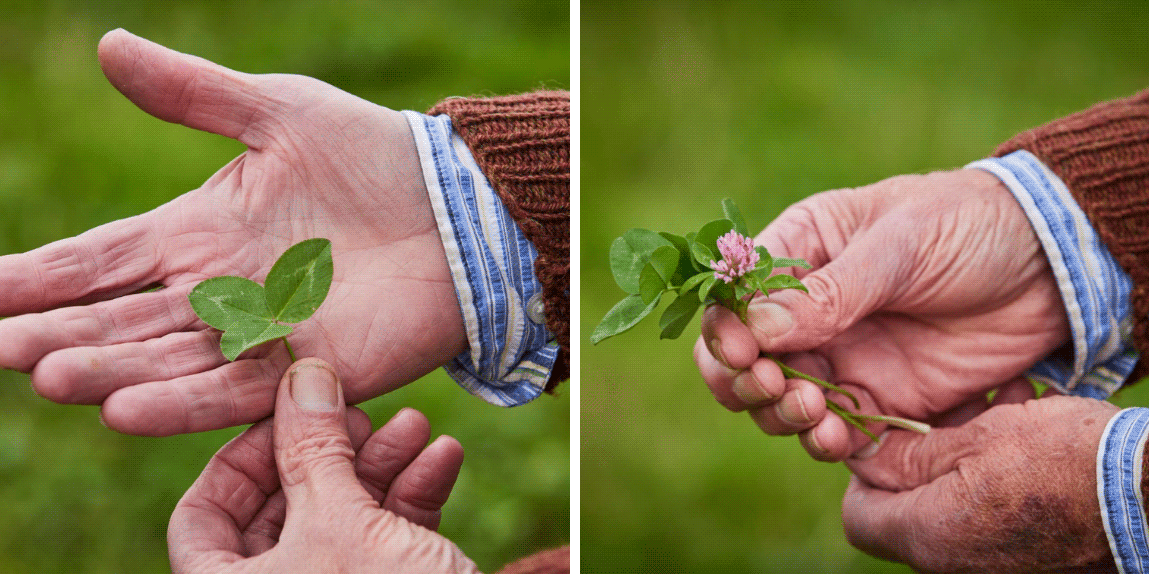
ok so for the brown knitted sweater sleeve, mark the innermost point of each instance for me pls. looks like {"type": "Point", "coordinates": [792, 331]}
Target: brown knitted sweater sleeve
{"type": "Point", "coordinates": [1102, 155]}
{"type": "Point", "coordinates": [522, 144]}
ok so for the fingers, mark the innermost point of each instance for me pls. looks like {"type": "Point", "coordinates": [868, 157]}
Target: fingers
{"type": "Point", "coordinates": [727, 338]}
{"type": "Point", "coordinates": [125, 319]}
{"type": "Point", "coordinates": [209, 518]}
{"type": "Point", "coordinates": [187, 90]}
{"type": "Point", "coordinates": [886, 524]}
{"type": "Point", "coordinates": [420, 491]}
{"type": "Point", "coordinates": [851, 286]}
{"type": "Point", "coordinates": [114, 259]}
{"type": "Point", "coordinates": [906, 460]}
{"type": "Point", "coordinates": [802, 406]}
{"type": "Point", "coordinates": [88, 375]}
{"type": "Point", "coordinates": [391, 449]}
{"type": "Point", "coordinates": [235, 393]}
{"type": "Point", "coordinates": [262, 533]}
{"type": "Point", "coordinates": [854, 272]}
{"type": "Point", "coordinates": [312, 450]}
{"type": "Point", "coordinates": [736, 390]}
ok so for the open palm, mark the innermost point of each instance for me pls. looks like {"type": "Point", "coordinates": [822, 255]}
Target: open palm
{"type": "Point", "coordinates": [320, 163]}
{"type": "Point", "coordinates": [927, 292]}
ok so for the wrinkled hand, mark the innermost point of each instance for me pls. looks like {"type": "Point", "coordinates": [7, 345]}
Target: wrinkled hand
{"type": "Point", "coordinates": [320, 163]}
{"type": "Point", "coordinates": [359, 503]}
{"type": "Point", "coordinates": [1012, 490]}
{"type": "Point", "coordinates": [926, 292]}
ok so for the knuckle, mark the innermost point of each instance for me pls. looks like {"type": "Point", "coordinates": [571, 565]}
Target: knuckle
{"type": "Point", "coordinates": [314, 457]}
{"type": "Point", "coordinates": [827, 295]}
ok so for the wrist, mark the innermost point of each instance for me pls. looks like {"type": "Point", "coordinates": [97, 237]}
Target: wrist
{"type": "Point", "coordinates": [1094, 290]}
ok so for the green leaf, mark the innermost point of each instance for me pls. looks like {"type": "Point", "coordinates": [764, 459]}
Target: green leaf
{"type": "Point", "coordinates": [224, 302]}
{"type": "Point", "coordinates": [650, 283]}
{"type": "Point", "coordinates": [721, 291]}
{"type": "Point", "coordinates": [629, 253]}
{"type": "Point", "coordinates": [765, 261]}
{"type": "Point", "coordinates": [754, 282]}
{"type": "Point", "coordinates": [707, 285]}
{"type": "Point", "coordinates": [690, 251]}
{"type": "Point", "coordinates": [298, 282]}
{"type": "Point", "coordinates": [782, 282]}
{"type": "Point", "coordinates": [731, 211]}
{"type": "Point", "coordinates": [624, 315]}
{"type": "Point", "coordinates": [709, 234]}
{"type": "Point", "coordinates": [702, 255]}
{"type": "Point", "coordinates": [785, 262]}
{"type": "Point", "coordinates": [247, 334]}
{"type": "Point", "coordinates": [694, 281]}
{"type": "Point", "coordinates": [685, 262]}
{"type": "Point", "coordinates": [677, 316]}
{"type": "Point", "coordinates": [665, 262]}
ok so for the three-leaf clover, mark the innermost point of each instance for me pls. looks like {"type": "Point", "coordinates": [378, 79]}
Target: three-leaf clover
{"type": "Point", "coordinates": [250, 314]}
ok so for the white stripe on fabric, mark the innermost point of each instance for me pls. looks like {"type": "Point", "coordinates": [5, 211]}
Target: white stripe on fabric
{"type": "Point", "coordinates": [1119, 459]}
{"type": "Point", "coordinates": [492, 265]}
{"type": "Point", "coordinates": [1095, 289]}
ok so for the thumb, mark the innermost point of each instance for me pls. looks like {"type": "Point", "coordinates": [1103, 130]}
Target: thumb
{"type": "Point", "coordinates": [185, 89]}
{"type": "Point", "coordinates": [312, 450]}
{"type": "Point", "coordinates": [844, 288]}
{"type": "Point", "coordinates": [904, 460]}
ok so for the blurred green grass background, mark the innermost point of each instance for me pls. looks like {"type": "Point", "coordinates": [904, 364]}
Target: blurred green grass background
{"type": "Point", "coordinates": [77, 497]}
{"type": "Point", "coordinates": [684, 103]}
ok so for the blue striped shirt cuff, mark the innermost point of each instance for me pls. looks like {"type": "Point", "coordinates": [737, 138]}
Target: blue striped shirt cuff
{"type": "Point", "coordinates": [510, 353]}
{"type": "Point", "coordinates": [1095, 289]}
{"type": "Point", "coordinates": [1119, 489]}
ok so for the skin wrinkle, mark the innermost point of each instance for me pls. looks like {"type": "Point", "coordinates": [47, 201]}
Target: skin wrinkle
{"type": "Point", "coordinates": [312, 457]}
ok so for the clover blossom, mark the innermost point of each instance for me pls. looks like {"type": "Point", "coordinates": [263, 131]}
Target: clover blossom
{"type": "Point", "coordinates": [738, 257]}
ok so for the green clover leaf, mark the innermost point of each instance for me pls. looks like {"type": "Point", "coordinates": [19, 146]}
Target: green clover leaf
{"type": "Point", "coordinates": [250, 314]}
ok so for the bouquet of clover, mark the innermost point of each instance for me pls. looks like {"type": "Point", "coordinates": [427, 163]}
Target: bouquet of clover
{"type": "Point", "coordinates": [718, 264]}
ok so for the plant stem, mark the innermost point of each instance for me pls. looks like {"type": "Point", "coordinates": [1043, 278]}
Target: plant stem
{"type": "Point", "coordinates": [791, 373]}
{"type": "Point", "coordinates": [897, 422]}
{"type": "Point", "coordinates": [290, 351]}
{"type": "Point", "coordinates": [854, 419]}
{"type": "Point", "coordinates": [850, 418]}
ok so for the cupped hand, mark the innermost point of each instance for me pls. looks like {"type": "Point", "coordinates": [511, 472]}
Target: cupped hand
{"type": "Point", "coordinates": [320, 163]}
{"type": "Point", "coordinates": [926, 292]}
{"type": "Point", "coordinates": [1013, 490]}
{"type": "Point", "coordinates": [313, 490]}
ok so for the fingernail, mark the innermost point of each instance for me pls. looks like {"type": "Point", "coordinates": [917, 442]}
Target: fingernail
{"type": "Point", "coordinates": [314, 388]}
{"type": "Point", "coordinates": [770, 319]}
{"type": "Point", "coordinates": [716, 350]}
{"type": "Point", "coordinates": [396, 416]}
{"type": "Point", "coordinates": [792, 412]}
{"type": "Point", "coordinates": [871, 448]}
{"type": "Point", "coordinates": [747, 388]}
{"type": "Point", "coordinates": [817, 444]}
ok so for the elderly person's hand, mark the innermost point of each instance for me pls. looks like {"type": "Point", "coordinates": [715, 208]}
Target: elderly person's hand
{"type": "Point", "coordinates": [926, 292]}
{"type": "Point", "coordinates": [319, 163]}
{"type": "Point", "coordinates": [1013, 490]}
{"type": "Point", "coordinates": [342, 499]}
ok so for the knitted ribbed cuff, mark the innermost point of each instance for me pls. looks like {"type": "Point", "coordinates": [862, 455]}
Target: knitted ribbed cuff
{"type": "Point", "coordinates": [1102, 155]}
{"type": "Point", "coordinates": [522, 144]}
